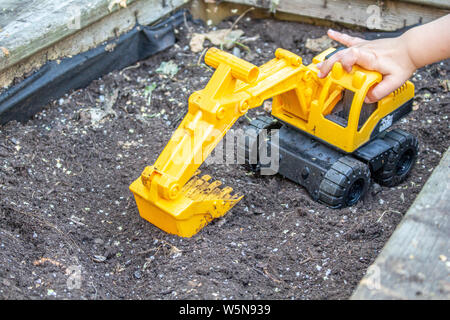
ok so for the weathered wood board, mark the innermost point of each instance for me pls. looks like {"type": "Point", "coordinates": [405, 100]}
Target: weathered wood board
{"type": "Point", "coordinates": [415, 262]}
{"type": "Point", "coordinates": [34, 31]}
{"type": "Point", "coordinates": [38, 30]}
{"type": "Point", "coordinates": [445, 4]}
{"type": "Point", "coordinates": [387, 15]}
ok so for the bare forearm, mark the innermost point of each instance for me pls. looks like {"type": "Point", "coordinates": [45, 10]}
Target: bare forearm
{"type": "Point", "coordinates": [428, 43]}
{"type": "Point", "coordinates": [395, 58]}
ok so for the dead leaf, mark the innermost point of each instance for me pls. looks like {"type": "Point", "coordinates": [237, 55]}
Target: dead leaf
{"type": "Point", "coordinates": [445, 84]}
{"type": "Point", "coordinates": [121, 3]}
{"type": "Point", "coordinates": [221, 37]}
{"type": "Point", "coordinates": [224, 37]}
{"type": "Point", "coordinates": [5, 51]}
{"type": "Point", "coordinates": [196, 43]}
{"type": "Point", "coordinates": [175, 252]}
{"type": "Point", "coordinates": [319, 44]}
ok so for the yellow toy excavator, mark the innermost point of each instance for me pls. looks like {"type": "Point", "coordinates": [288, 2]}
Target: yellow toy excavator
{"type": "Point", "coordinates": [327, 139]}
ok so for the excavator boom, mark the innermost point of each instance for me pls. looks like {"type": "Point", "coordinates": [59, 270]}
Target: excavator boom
{"type": "Point", "coordinates": [170, 194]}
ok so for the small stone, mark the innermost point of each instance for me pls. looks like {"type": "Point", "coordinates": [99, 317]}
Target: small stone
{"type": "Point", "coordinates": [99, 241]}
{"type": "Point", "coordinates": [376, 188]}
{"type": "Point", "coordinates": [267, 106]}
{"type": "Point", "coordinates": [99, 258]}
{"type": "Point", "coordinates": [137, 274]}
{"type": "Point", "coordinates": [237, 52]}
{"type": "Point", "coordinates": [51, 292]}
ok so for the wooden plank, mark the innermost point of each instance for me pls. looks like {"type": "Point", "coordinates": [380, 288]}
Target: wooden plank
{"type": "Point", "coordinates": [415, 262]}
{"type": "Point", "coordinates": [443, 4]}
{"type": "Point", "coordinates": [46, 29]}
{"type": "Point", "coordinates": [46, 22]}
{"type": "Point", "coordinates": [391, 15]}
{"type": "Point", "coordinates": [42, 23]}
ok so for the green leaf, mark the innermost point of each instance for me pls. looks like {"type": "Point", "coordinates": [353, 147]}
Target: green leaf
{"type": "Point", "coordinates": [148, 92]}
{"type": "Point", "coordinates": [168, 68]}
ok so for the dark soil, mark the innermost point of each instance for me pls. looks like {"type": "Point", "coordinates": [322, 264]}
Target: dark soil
{"type": "Point", "coordinates": [66, 213]}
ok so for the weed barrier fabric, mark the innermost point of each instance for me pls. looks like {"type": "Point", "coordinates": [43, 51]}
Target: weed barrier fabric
{"type": "Point", "coordinates": [53, 80]}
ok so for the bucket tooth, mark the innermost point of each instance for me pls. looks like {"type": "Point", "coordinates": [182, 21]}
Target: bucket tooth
{"type": "Point", "coordinates": [206, 177]}
{"type": "Point", "coordinates": [236, 196]}
{"type": "Point", "coordinates": [208, 190]}
{"type": "Point", "coordinates": [215, 193]}
{"type": "Point", "coordinates": [199, 187]}
{"type": "Point", "coordinates": [205, 185]}
{"type": "Point", "coordinates": [193, 189]}
{"type": "Point", "coordinates": [192, 181]}
{"type": "Point", "coordinates": [225, 192]}
{"type": "Point", "coordinates": [212, 186]}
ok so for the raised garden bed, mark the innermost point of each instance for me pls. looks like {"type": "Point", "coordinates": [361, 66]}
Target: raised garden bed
{"type": "Point", "coordinates": [65, 203]}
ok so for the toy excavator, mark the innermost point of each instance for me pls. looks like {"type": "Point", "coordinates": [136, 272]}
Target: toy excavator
{"type": "Point", "coordinates": [329, 140]}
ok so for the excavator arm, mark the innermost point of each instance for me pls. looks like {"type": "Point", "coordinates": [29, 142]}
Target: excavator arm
{"type": "Point", "coordinates": [170, 194]}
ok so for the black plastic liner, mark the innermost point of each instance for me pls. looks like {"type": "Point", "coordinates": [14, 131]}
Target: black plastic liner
{"type": "Point", "coordinates": [388, 34]}
{"type": "Point", "coordinates": [53, 80]}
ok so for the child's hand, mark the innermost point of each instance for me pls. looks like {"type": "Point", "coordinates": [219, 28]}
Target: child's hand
{"type": "Point", "coordinates": [388, 56]}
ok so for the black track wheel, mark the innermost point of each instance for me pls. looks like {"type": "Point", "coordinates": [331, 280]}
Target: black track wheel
{"type": "Point", "coordinates": [251, 142]}
{"type": "Point", "coordinates": [345, 183]}
{"type": "Point", "coordinates": [401, 158]}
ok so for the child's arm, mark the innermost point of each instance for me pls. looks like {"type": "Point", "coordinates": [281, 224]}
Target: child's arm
{"type": "Point", "coordinates": [395, 58]}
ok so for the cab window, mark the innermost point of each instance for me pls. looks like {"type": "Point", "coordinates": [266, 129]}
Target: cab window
{"type": "Point", "coordinates": [341, 110]}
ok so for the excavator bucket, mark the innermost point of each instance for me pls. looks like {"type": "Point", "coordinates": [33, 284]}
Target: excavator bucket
{"type": "Point", "coordinates": [199, 202]}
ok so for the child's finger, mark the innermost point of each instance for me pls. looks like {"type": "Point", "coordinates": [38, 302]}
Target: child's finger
{"type": "Point", "coordinates": [382, 89]}
{"type": "Point", "coordinates": [325, 66]}
{"type": "Point", "coordinates": [343, 38]}
{"type": "Point", "coordinates": [347, 57]}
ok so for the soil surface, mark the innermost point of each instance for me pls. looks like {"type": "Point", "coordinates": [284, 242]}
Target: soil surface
{"type": "Point", "coordinates": [70, 229]}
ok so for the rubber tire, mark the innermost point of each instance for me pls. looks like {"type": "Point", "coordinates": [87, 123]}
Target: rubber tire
{"type": "Point", "coordinates": [395, 171]}
{"type": "Point", "coordinates": [345, 183]}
